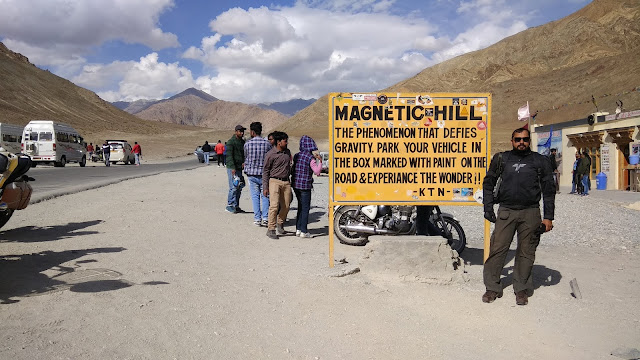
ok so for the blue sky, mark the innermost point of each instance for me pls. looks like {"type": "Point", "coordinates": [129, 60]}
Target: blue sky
{"type": "Point", "coordinates": [257, 51]}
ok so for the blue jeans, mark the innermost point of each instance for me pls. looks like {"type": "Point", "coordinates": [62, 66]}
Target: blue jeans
{"type": "Point", "coordinates": [206, 158]}
{"type": "Point", "coordinates": [137, 156]}
{"type": "Point", "coordinates": [304, 205]}
{"type": "Point", "coordinates": [585, 184]}
{"type": "Point", "coordinates": [233, 199]}
{"type": "Point", "coordinates": [260, 213]}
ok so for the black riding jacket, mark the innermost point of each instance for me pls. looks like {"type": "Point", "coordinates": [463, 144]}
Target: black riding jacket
{"type": "Point", "coordinates": [526, 177]}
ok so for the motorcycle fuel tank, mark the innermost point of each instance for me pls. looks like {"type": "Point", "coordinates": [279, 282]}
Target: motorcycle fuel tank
{"type": "Point", "coordinates": [370, 211]}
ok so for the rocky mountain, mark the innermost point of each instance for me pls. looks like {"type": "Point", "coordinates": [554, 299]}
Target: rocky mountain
{"type": "Point", "coordinates": [137, 106]}
{"type": "Point", "coordinates": [28, 93]}
{"type": "Point", "coordinates": [134, 107]}
{"type": "Point", "coordinates": [556, 67]}
{"type": "Point", "coordinates": [290, 107]}
{"type": "Point", "coordinates": [196, 108]}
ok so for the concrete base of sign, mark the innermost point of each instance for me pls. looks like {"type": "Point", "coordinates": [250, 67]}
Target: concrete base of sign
{"type": "Point", "coordinates": [427, 259]}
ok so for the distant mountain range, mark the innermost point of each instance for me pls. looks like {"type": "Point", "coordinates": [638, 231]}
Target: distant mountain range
{"type": "Point", "coordinates": [197, 108]}
{"type": "Point", "coordinates": [290, 107]}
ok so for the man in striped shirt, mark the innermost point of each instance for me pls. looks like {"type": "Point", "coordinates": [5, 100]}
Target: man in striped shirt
{"type": "Point", "coordinates": [254, 152]}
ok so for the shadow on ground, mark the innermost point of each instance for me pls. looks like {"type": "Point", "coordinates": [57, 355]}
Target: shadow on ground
{"type": "Point", "coordinates": [22, 274]}
{"type": "Point", "coordinates": [28, 234]}
{"type": "Point", "coordinates": [542, 275]}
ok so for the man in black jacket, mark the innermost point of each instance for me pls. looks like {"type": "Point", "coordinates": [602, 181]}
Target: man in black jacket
{"type": "Point", "coordinates": [526, 177]}
{"type": "Point", "coordinates": [206, 149]}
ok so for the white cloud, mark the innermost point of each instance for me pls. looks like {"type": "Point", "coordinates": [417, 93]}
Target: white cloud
{"type": "Point", "coordinates": [260, 54]}
{"type": "Point", "coordinates": [130, 80]}
{"type": "Point", "coordinates": [294, 49]}
{"type": "Point", "coordinates": [55, 32]}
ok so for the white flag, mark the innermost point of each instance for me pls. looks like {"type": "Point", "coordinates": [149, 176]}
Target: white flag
{"type": "Point", "coordinates": [523, 112]}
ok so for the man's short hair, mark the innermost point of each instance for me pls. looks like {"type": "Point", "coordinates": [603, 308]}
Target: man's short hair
{"type": "Point", "coordinates": [554, 150]}
{"type": "Point", "coordinates": [518, 131]}
{"type": "Point", "coordinates": [279, 135]}
{"type": "Point", "coordinates": [256, 127]}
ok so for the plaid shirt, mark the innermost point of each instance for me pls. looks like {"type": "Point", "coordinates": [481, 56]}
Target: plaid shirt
{"type": "Point", "coordinates": [302, 173]}
{"type": "Point", "coordinates": [254, 152]}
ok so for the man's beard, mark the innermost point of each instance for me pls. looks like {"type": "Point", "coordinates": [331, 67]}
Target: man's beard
{"type": "Point", "coordinates": [518, 151]}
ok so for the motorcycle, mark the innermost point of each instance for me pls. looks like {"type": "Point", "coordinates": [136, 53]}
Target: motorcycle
{"type": "Point", "coordinates": [354, 224]}
{"type": "Point", "coordinates": [15, 191]}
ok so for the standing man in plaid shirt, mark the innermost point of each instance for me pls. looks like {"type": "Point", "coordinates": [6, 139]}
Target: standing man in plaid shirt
{"type": "Point", "coordinates": [254, 152]}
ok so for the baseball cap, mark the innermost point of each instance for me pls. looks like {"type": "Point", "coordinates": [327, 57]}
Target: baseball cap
{"type": "Point", "coordinates": [240, 127]}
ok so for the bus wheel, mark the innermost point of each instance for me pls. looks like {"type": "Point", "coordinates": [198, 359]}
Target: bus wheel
{"type": "Point", "coordinates": [61, 163]}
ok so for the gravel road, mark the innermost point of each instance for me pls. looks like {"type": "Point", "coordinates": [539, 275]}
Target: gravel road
{"type": "Point", "coordinates": [154, 268]}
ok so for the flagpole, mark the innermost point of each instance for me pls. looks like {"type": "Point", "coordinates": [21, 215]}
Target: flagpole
{"type": "Point", "coordinates": [529, 119]}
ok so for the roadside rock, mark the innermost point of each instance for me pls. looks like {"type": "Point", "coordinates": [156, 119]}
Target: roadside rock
{"type": "Point", "coordinates": [426, 259]}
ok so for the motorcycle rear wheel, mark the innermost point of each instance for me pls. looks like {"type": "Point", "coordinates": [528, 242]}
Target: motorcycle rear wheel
{"type": "Point", "coordinates": [344, 216]}
{"type": "Point", "coordinates": [5, 215]}
{"type": "Point", "coordinates": [457, 240]}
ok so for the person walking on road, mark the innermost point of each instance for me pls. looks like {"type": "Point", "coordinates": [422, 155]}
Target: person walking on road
{"type": "Point", "coordinates": [90, 150]}
{"type": "Point", "coordinates": [584, 169]}
{"type": "Point", "coordinates": [255, 151]}
{"type": "Point", "coordinates": [276, 184]}
{"type": "Point", "coordinates": [575, 182]}
{"type": "Point", "coordinates": [106, 153]}
{"type": "Point", "coordinates": [219, 150]}
{"type": "Point", "coordinates": [305, 164]}
{"type": "Point", "coordinates": [224, 155]}
{"type": "Point", "coordinates": [206, 149]}
{"type": "Point", "coordinates": [137, 152]}
{"type": "Point", "coordinates": [526, 177]}
{"type": "Point", "coordinates": [235, 164]}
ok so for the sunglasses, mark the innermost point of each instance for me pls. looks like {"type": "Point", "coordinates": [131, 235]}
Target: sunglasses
{"type": "Point", "coordinates": [518, 139]}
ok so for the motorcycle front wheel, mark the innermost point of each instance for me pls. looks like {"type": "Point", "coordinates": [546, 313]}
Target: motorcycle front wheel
{"type": "Point", "coordinates": [456, 239]}
{"type": "Point", "coordinates": [344, 216]}
{"type": "Point", "coordinates": [5, 215]}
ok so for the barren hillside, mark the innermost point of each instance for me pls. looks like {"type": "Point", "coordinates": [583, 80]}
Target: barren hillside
{"type": "Point", "coordinates": [557, 67]}
{"type": "Point", "coordinates": [29, 93]}
{"type": "Point", "coordinates": [217, 115]}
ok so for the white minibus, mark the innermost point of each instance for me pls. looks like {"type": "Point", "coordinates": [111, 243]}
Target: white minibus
{"type": "Point", "coordinates": [47, 141]}
{"type": "Point", "coordinates": [10, 138]}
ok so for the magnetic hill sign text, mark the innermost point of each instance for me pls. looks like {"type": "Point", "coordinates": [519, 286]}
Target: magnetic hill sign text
{"type": "Point", "coordinates": [408, 148]}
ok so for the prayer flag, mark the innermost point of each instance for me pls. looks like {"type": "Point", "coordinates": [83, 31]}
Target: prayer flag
{"type": "Point", "coordinates": [523, 112]}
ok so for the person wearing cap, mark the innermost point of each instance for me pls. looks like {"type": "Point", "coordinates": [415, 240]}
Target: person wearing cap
{"type": "Point", "coordinates": [235, 164]}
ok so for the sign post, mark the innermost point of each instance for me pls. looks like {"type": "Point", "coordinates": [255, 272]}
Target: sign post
{"type": "Point", "coordinates": [407, 149]}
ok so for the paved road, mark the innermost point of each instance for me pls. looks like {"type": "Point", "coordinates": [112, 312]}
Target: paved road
{"type": "Point", "coordinates": [52, 181]}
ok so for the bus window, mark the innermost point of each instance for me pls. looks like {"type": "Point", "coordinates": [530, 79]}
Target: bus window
{"type": "Point", "coordinates": [46, 136]}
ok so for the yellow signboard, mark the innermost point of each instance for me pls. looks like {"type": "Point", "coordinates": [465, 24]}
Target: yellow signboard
{"type": "Point", "coordinates": [408, 148]}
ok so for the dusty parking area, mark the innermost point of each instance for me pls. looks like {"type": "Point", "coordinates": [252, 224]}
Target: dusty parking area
{"type": "Point", "coordinates": [154, 268]}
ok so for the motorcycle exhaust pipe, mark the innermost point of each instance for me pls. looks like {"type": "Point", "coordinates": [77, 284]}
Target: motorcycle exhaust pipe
{"type": "Point", "coordinates": [367, 230]}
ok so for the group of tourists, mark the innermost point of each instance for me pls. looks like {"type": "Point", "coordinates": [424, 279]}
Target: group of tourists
{"type": "Point", "coordinates": [581, 183]}
{"type": "Point", "coordinates": [104, 152]}
{"type": "Point", "coordinates": [274, 175]}
{"type": "Point", "coordinates": [220, 149]}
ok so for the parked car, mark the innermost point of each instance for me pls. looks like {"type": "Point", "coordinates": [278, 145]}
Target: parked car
{"type": "Point", "coordinates": [200, 154]}
{"type": "Point", "coordinates": [325, 161]}
{"type": "Point", "coordinates": [121, 151]}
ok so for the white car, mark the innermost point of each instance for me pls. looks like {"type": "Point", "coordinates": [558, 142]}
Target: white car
{"type": "Point", "coordinates": [121, 151]}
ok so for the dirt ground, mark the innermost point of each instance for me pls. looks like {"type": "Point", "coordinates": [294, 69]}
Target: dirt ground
{"type": "Point", "coordinates": [154, 268]}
